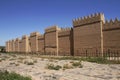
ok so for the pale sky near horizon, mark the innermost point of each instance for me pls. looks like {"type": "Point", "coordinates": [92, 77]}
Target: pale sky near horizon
{"type": "Point", "coordinates": [19, 17]}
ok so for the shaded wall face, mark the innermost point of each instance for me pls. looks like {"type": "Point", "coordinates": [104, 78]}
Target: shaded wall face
{"type": "Point", "coordinates": [51, 42]}
{"type": "Point", "coordinates": [111, 39]}
{"type": "Point", "coordinates": [64, 45]}
{"type": "Point", "coordinates": [20, 46]}
{"type": "Point", "coordinates": [17, 46]}
{"type": "Point", "coordinates": [10, 46]}
{"type": "Point", "coordinates": [41, 45]}
{"type": "Point", "coordinates": [34, 43]}
{"type": "Point", "coordinates": [87, 37]}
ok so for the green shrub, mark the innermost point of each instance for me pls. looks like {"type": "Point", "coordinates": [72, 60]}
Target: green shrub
{"type": "Point", "coordinates": [30, 63]}
{"type": "Point", "coordinates": [67, 66]}
{"type": "Point", "coordinates": [12, 59]}
{"type": "Point", "coordinates": [53, 67]}
{"type": "Point", "coordinates": [97, 59]}
{"type": "Point", "coordinates": [77, 64]}
{"type": "Point", "coordinates": [35, 61]}
{"type": "Point", "coordinates": [3, 59]}
{"type": "Point", "coordinates": [12, 76]}
{"type": "Point", "coordinates": [69, 58]}
{"type": "Point", "coordinates": [17, 64]}
{"type": "Point", "coordinates": [12, 63]}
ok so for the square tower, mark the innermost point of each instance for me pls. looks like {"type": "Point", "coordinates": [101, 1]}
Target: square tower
{"type": "Point", "coordinates": [24, 44]}
{"type": "Point", "coordinates": [33, 41]}
{"type": "Point", "coordinates": [51, 40]}
{"type": "Point", "coordinates": [88, 36]}
{"type": "Point", "coordinates": [17, 44]}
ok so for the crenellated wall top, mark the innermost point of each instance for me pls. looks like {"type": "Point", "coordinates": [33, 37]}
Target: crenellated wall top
{"type": "Point", "coordinates": [93, 18]}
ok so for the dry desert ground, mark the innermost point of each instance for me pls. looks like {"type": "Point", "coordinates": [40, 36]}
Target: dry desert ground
{"type": "Point", "coordinates": [37, 68]}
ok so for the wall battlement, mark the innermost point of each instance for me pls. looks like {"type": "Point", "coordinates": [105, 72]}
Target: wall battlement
{"type": "Point", "coordinates": [13, 40]}
{"type": "Point", "coordinates": [24, 36]}
{"type": "Point", "coordinates": [64, 31]}
{"type": "Point", "coordinates": [17, 39]}
{"type": "Point", "coordinates": [41, 37]}
{"type": "Point", "coordinates": [88, 19]}
{"type": "Point", "coordinates": [111, 24]}
{"type": "Point", "coordinates": [51, 29]}
{"type": "Point", "coordinates": [20, 41]}
{"type": "Point", "coordinates": [34, 34]}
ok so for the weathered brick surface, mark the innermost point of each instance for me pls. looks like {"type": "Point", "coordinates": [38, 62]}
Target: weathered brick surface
{"type": "Point", "coordinates": [64, 42]}
{"type": "Point", "coordinates": [20, 45]}
{"type": "Point", "coordinates": [24, 44]}
{"type": "Point", "coordinates": [51, 40]}
{"type": "Point", "coordinates": [88, 34]}
{"type": "Point", "coordinates": [33, 41]}
{"type": "Point", "coordinates": [13, 45]}
{"type": "Point", "coordinates": [10, 46]}
{"type": "Point", "coordinates": [17, 45]}
{"type": "Point", "coordinates": [111, 35]}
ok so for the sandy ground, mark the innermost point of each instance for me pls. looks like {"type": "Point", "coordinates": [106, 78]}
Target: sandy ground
{"type": "Point", "coordinates": [38, 71]}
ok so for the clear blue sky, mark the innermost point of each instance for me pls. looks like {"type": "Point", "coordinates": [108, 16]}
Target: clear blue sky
{"type": "Point", "coordinates": [19, 17]}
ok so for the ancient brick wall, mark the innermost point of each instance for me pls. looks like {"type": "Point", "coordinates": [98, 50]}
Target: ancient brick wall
{"type": "Point", "coordinates": [10, 46]}
{"type": "Point", "coordinates": [13, 45]}
{"type": "Point", "coordinates": [111, 35]}
{"type": "Point", "coordinates": [41, 44]}
{"type": "Point", "coordinates": [20, 45]}
{"type": "Point", "coordinates": [24, 44]}
{"type": "Point", "coordinates": [87, 34]}
{"type": "Point", "coordinates": [33, 41]}
{"type": "Point", "coordinates": [51, 40]}
{"type": "Point", "coordinates": [90, 34]}
{"type": "Point", "coordinates": [17, 44]}
{"type": "Point", "coordinates": [65, 42]}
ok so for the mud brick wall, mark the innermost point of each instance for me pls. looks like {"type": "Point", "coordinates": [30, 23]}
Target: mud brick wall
{"type": "Point", "coordinates": [65, 42]}
{"type": "Point", "coordinates": [17, 45]}
{"type": "Point", "coordinates": [88, 35]}
{"type": "Point", "coordinates": [111, 35]}
{"type": "Point", "coordinates": [51, 40]}
{"type": "Point", "coordinates": [13, 46]}
{"type": "Point", "coordinates": [33, 41]}
{"type": "Point", "coordinates": [24, 44]}
{"type": "Point", "coordinates": [10, 46]}
{"type": "Point", "coordinates": [20, 45]}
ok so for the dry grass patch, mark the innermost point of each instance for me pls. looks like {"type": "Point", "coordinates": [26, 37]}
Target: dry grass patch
{"type": "Point", "coordinates": [77, 64]}
{"type": "Point", "coordinates": [67, 66]}
{"type": "Point", "coordinates": [53, 67]}
{"type": "Point", "coordinates": [29, 62]}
